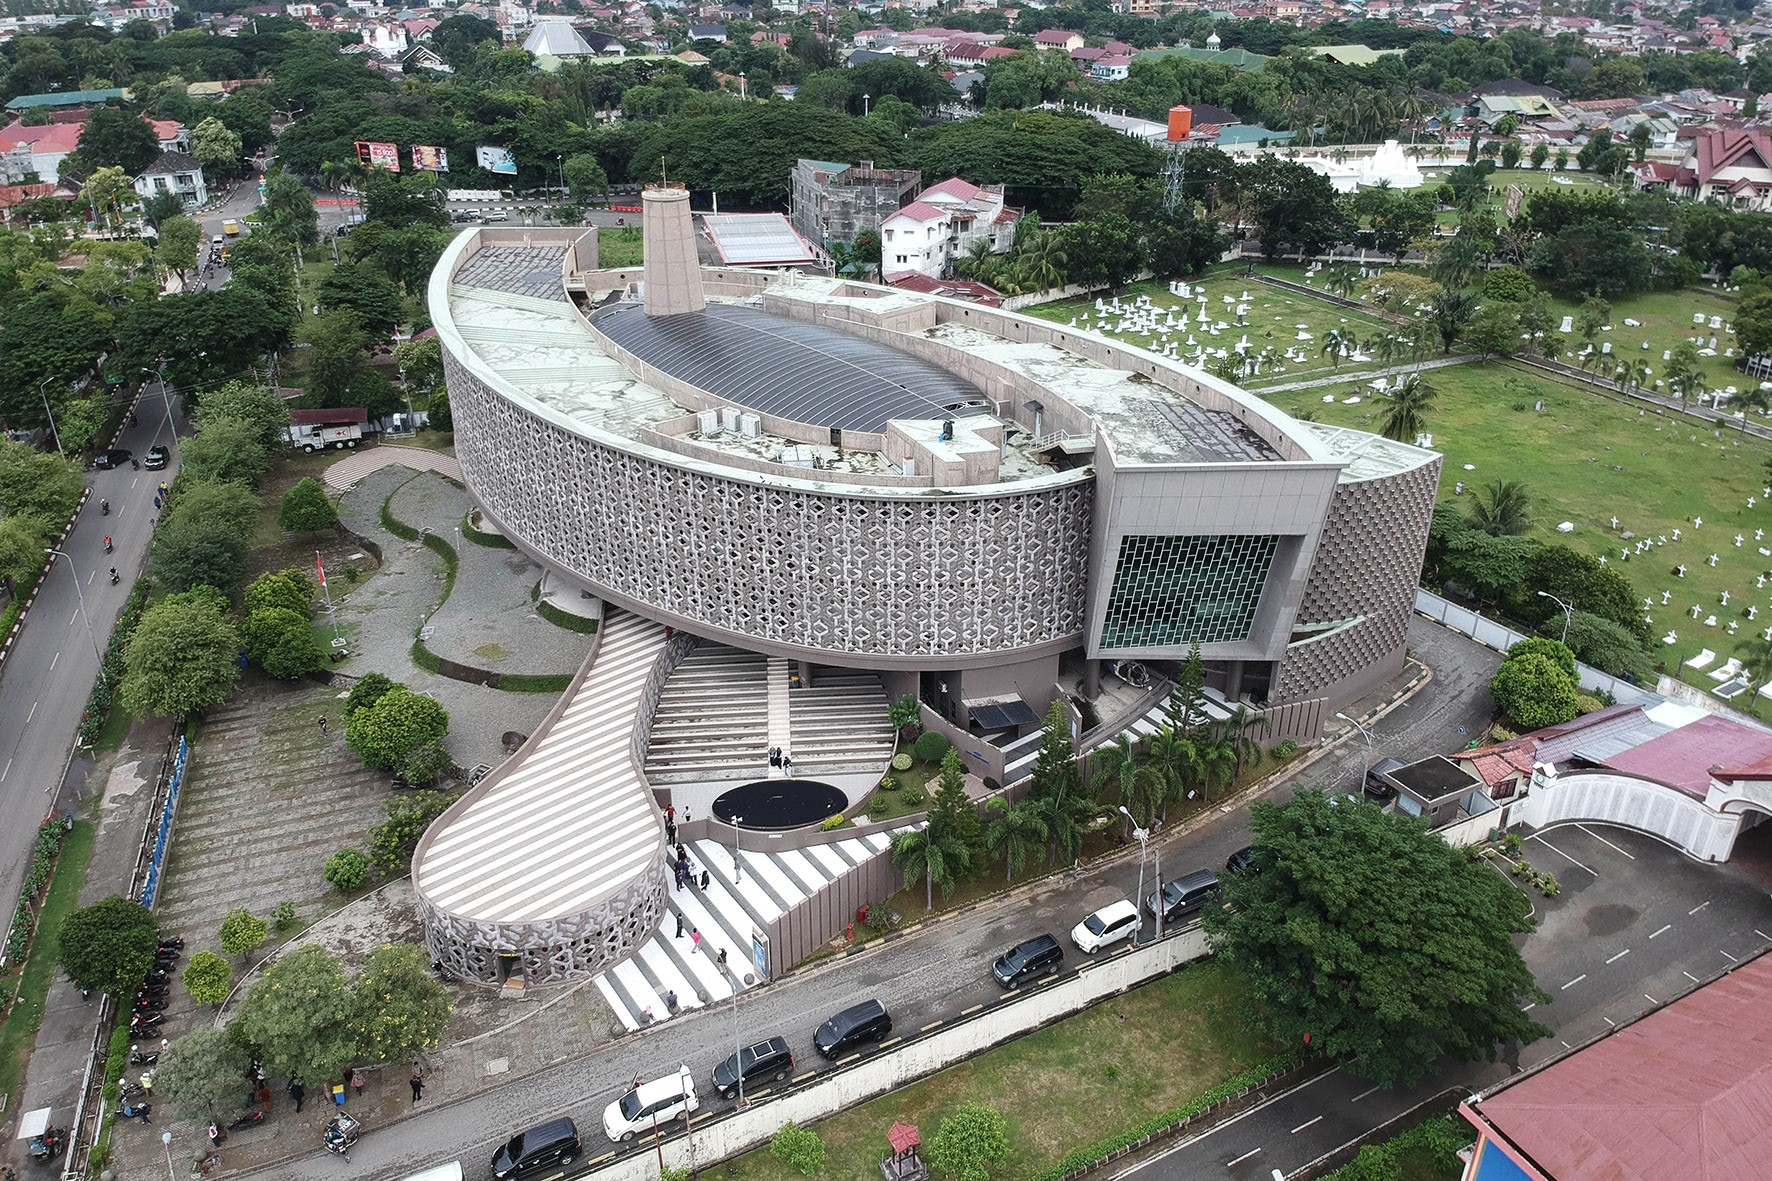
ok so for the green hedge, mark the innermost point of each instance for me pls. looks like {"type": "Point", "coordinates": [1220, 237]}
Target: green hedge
{"type": "Point", "coordinates": [534, 682]}
{"type": "Point", "coordinates": [490, 540]}
{"type": "Point", "coordinates": [451, 563]}
{"type": "Point", "coordinates": [566, 619]}
{"type": "Point", "coordinates": [104, 687]}
{"type": "Point", "coordinates": [393, 524]}
{"type": "Point", "coordinates": [1439, 1140]}
{"type": "Point", "coordinates": [1084, 1157]}
{"type": "Point", "coordinates": [51, 832]}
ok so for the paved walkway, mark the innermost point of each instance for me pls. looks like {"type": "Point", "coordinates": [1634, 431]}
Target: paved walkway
{"type": "Point", "coordinates": [1363, 375]}
{"type": "Point", "coordinates": [353, 468]}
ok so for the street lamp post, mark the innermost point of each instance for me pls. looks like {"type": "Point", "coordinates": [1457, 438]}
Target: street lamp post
{"type": "Point", "coordinates": [84, 617]}
{"type": "Point", "coordinates": [688, 1116]}
{"type": "Point", "coordinates": [166, 1142]}
{"type": "Point", "coordinates": [737, 1050]}
{"type": "Point", "coordinates": [166, 398]}
{"type": "Point", "coordinates": [1143, 848]}
{"type": "Point", "coordinates": [1157, 859]}
{"type": "Point", "coordinates": [865, 100]}
{"type": "Point", "coordinates": [737, 869]}
{"type": "Point", "coordinates": [57, 434]}
{"type": "Point", "coordinates": [1568, 612]}
{"type": "Point", "coordinates": [1367, 769]}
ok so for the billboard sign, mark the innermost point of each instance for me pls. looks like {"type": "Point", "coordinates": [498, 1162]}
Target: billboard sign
{"type": "Point", "coordinates": [495, 160]}
{"type": "Point", "coordinates": [429, 158]}
{"type": "Point", "coordinates": [383, 156]}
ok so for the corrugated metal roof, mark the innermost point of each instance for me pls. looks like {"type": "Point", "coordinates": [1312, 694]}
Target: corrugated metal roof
{"type": "Point", "coordinates": [1684, 1092]}
{"type": "Point", "coordinates": [1684, 757]}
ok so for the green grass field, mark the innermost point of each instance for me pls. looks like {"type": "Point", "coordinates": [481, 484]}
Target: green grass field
{"type": "Point", "coordinates": [1587, 459]}
{"type": "Point", "coordinates": [18, 1033]}
{"type": "Point", "coordinates": [1665, 319]}
{"type": "Point", "coordinates": [618, 247]}
{"type": "Point", "coordinates": [1069, 1085]}
{"type": "Point", "coordinates": [1273, 320]}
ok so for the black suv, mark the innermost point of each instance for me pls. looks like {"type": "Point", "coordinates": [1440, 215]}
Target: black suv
{"type": "Point", "coordinates": [766, 1060]}
{"type": "Point", "coordinates": [1241, 863]}
{"type": "Point", "coordinates": [544, 1146]}
{"type": "Point", "coordinates": [158, 457]}
{"type": "Point", "coordinates": [115, 457]}
{"type": "Point", "coordinates": [1039, 954]}
{"type": "Point", "coordinates": [1376, 788]}
{"type": "Point", "coordinates": [866, 1022]}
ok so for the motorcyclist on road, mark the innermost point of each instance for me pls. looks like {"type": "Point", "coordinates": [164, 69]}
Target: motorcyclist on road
{"type": "Point", "coordinates": [107, 545]}
{"type": "Point", "coordinates": [104, 508]}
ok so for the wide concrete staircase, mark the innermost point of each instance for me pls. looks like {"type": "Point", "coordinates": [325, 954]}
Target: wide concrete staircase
{"type": "Point", "coordinates": [712, 721]}
{"type": "Point", "coordinates": [761, 888]}
{"type": "Point", "coordinates": [839, 724]}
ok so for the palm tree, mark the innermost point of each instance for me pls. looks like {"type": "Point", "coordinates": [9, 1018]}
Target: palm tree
{"type": "Point", "coordinates": [1216, 766]}
{"type": "Point", "coordinates": [1011, 832]}
{"type": "Point", "coordinates": [1175, 759]}
{"type": "Point", "coordinates": [978, 261]}
{"type": "Point", "coordinates": [1334, 341]}
{"type": "Point", "coordinates": [1756, 665]}
{"type": "Point", "coordinates": [1751, 398]}
{"type": "Point", "coordinates": [1238, 731]}
{"type": "Point", "coordinates": [1149, 792]}
{"type": "Point", "coordinates": [1115, 767]}
{"type": "Point", "coordinates": [1502, 509]}
{"type": "Point", "coordinates": [1342, 281]}
{"type": "Point", "coordinates": [1044, 262]}
{"type": "Point", "coordinates": [339, 174]}
{"type": "Point", "coordinates": [1407, 408]}
{"type": "Point", "coordinates": [1064, 814]}
{"type": "Point", "coordinates": [933, 853]}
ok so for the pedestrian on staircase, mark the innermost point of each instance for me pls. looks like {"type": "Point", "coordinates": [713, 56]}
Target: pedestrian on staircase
{"type": "Point", "coordinates": [704, 879]}
{"type": "Point", "coordinates": [670, 832]}
{"type": "Point", "coordinates": [695, 934]}
{"type": "Point", "coordinates": [679, 934]}
{"type": "Point", "coordinates": [775, 756]}
{"type": "Point", "coordinates": [787, 766]}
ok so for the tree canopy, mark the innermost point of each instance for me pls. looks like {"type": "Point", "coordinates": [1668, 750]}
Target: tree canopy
{"type": "Point", "coordinates": [108, 946]}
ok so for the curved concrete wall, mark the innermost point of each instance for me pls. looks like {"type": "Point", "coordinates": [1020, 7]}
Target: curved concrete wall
{"type": "Point", "coordinates": [1634, 803]}
{"type": "Point", "coordinates": [829, 575]}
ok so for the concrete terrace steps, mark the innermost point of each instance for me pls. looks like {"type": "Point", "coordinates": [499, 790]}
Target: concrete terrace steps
{"type": "Point", "coordinates": [724, 913]}
{"type": "Point", "coordinates": [712, 719]}
{"type": "Point", "coordinates": [839, 723]}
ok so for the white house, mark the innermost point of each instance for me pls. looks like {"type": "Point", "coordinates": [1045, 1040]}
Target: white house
{"type": "Point", "coordinates": [941, 225]}
{"type": "Point", "coordinates": [173, 172]}
{"type": "Point", "coordinates": [1732, 167]}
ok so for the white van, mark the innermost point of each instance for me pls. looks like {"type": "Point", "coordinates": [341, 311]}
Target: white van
{"type": "Point", "coordinates": [448, 1172]}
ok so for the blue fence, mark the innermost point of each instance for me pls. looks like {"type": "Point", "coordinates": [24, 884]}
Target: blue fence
{"type": "Point", "coordinates": [163, 837]}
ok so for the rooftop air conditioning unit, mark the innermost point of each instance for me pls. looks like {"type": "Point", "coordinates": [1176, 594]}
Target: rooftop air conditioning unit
{"type": "Point", "coordinates": [750, 426]}
{"type": "Point", "coordinates": [709, 420]}
{"type": "Point", "coordinates": [729, 419]}
{"type": "Point", "coordinates": [910, 465]}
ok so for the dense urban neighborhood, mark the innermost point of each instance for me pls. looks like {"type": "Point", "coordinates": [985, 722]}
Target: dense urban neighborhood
{"type": "Point", "coordinates": [958, 590]}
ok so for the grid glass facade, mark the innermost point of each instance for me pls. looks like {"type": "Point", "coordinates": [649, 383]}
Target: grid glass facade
{"type": "Point", "coordinates": [1171, 591]}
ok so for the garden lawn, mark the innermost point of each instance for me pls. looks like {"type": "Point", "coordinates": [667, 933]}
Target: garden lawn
{"type": "Point", "coordinates": [618, 247]}
{"type": "Point", "coordinates": [1274, 317]}
{"type": "Point", "coordinates": [18, 1033]}
{"type": "Point", "coordinates": [1587, 458]}
{"type": "Point", "coordinates": [1666, 319]}
{"type": "Point", "coordinates": [1063, 1087]}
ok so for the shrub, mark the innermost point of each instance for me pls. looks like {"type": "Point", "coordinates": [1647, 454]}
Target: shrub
{"type": "Point", "coordinates": [241, 932]}
{"type": "Point", "coordinates": [305, 508]}
{"type": "Point", "coordinates": [1533, 688]}
{"type": "Point", "coordinates": [831, 822]}
{"type": "Point", "coordinates": [889, 783]}
{"type": "Point", "coordinates": [931, 745]}
{"type": "Point", "coordinates": [398, 721]}
{"type": "Point", "coordinates": [1587, 705]}
{"type": "Point", "coordinates": [393, 841]}
{"type": "Point", "coordinates": [208, 977]}
{"type": "Point", "coordinates": [913, 795]}
{"type": "Point", "coordinates": [990, 784]}
{"type": "Point", "coordinates": [284, 917]}
{"type": "Point", "coordinates": [798, 1148]}
{"type": "Point", "coordinates": [346, 869]}
{"type": "Point", "coordinates": [1511, 842]}
{"type": "Point", "coordinates": [426, 763]}
{"type": "Point", "coordinates": [366, 692]}
{"type": "Point", "coordinates": [1285, 750]}
{"type": "Point", "coordinates": [902, 761]}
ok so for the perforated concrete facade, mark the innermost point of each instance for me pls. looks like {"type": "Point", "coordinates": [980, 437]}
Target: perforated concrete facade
{"type": "Point", "coordinates": [891, 582]}
{"type": "Point", "coordinates": [1366, 567]}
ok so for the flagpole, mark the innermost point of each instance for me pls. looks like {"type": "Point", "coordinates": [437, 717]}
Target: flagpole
{"type": "Point", "coordinates": [321, 567]}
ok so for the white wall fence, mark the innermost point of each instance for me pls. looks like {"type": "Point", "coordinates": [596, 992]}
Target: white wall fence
{"type": "Point", "coordinates": [1702, 831]}
{"type": "Point", "coordinates": [908, 1060]}
{"type": "Point", "coordinates": [1500, 637]}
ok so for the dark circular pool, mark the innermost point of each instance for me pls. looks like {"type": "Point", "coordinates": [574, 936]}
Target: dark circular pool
{"type": "Point", "coordinates": [779, 803]}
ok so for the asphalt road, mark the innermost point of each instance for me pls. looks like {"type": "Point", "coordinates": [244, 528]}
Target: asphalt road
{"type": "Point", "coordinates": [932, 974]}
{"type": "Point", "coordinates": [1636, 924]}
{"type": "Point", "coordinates": [45, 680]}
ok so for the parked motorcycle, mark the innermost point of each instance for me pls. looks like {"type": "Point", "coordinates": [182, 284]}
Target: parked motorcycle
{"type": "Point", "coordinates": [141, 1024]}
{"type": "Point", "coordinates": [137, 1058]}
{"type": "Point", "coordinates": [172, 941]}
{"type": "Point", "coordinates": [255, 1116]}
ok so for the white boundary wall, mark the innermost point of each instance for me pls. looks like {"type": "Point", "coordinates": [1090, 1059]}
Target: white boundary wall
{"type": "Point", "coordinates": [1490, 634]}
{"type": "Point", "coordinates": [1642, 804]}
{"type": "Point", "coordinates": [905, 1062]}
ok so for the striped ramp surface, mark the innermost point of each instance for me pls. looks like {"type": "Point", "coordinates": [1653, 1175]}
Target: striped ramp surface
{"type": "Point", "coordinates": [346, 472]}
{"type": "Point", "coordinates": [574, 821]}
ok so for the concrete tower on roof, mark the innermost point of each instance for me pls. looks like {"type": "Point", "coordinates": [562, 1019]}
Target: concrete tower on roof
{"type": "Point", "coordinates": [673, 272]}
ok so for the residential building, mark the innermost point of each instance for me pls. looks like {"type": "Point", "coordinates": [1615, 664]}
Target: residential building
{"type": "Point", "coordinates": [835, 202]}
{"type": "Point", "coordinates": [174, 172]}
{"type": "Point", "coordinates": [941, 225]}
{"type": "Point", "coordinates": [715, 33]}
{"type": "Point", "coordinates": [1732, 167]}
{"type": "Point", "coordinates": [1058, 39]}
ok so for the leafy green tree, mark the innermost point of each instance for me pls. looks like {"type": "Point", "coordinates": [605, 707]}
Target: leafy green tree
{"type": "Point", "coordinates": [420, 362]}
{"type": "Point", "coordinates": [241, 931]}
{"type": "Point", "coordinates": [1494, 331]}
{"type": "Point", "coordinates": [1055, 766]}
{"type": "Point", "coordinates": [346, 869]}
{"type": "Point", "coordinates": [217, 147]}
{"type": "Point", "coordinates": [208, 977]}
{"type": "Point", "coordinates": [798, 1148]}
{"type": "Point", "coordinates": [299, 1017]}
{"type": "Point", "coordinates": [393, 841]}
{"type": "Point", "coordinates": [1607, 646]}
{"type": "Point", "coordinates": [1753, 323]}
{"type": "Point", "coordinates": [80, 419]}
{"type": "Point", "coordinates": [1406, 408]}
{"type": "Point", "coordinates": [1378, 941]}
{"type": "Point", "coordinates": [180, 659]}
{"type": "Point", "coordinates": [425, 764]}
{"type": "Point", "coordinates": [337, 348]}
{"type": "Point", "coordinates": [226, 449]}
{"type": "Point", "coordinates": [190, 551]}
{"type": "Point", "coordinates": [585, 178]}
{"type": "Point", "coordinates": [21, 549]}
{"type": "Point", "coordinates": [221, 506]}
{"type": "Point", "coordinates": [1540, 153]}
{"type": "Point", "coordinates": [1508, 284]}
{"type": "Point", "coordinates": [199, 1076]}
{"type": "Point", "coordinates": [248, 402]}
{"type": "Point", "coordinates": [114, 138]}
{"type": "Point", "coordinates": [401, 1008]}
{"type": "Point", "coordinates": [282, 642]}
{"type": "Point", "coordinates": [369, 295]}
{"type": "Point", "coordinates": [369, 689]}
{"type": "Point", "coordinates": [1534, 691]}
{"type": "Point", "coordinates": [291, 590]}
{"type": "Point", "coordinates": [933, 853]}
{"type": "Point", "coordinates": [1501, 508]}
{"type": "Point", "coordinates": [176, 249]}
{"type": "Point", "coordinates": [398, 721]}
{"type": "Point", "coordinates": [306, 508]}
{"type": "Point", "coordinates": [1012, 832]}
{"type": "Point", "coordinates": [1487, 565]}
{"type": "Point", "coordinates": [288, 210]}
{"type": "Point", "coordinates": [108, 946]}
{"type": "Point", "coordinates": [1599, 257]}
{"type": "Point", "coordinates": [969, 1142]}
{"type": "Point", "coordinates": [1551, 650]}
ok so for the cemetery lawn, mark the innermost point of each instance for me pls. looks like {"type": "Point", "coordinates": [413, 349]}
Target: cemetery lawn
{"type": "Point", "coordinates": [1274, 316]}
{"type": "Point", "coordinates": [1587, 458]}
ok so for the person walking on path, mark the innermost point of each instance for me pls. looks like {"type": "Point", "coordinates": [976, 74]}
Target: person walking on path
{"type": "Point", "coordinates": [297, 1092]}
{"type": "Point", "coordinates": [704, 879]}
{"type": "Point", "coordinates": [322, 725]}
{"type": "Point", "coordinates": [357, 1080]}
{"type": "Point", "coordinates": [418, 1082]}
{"type": "Point", "coordinates": [679, 933]}
{"type": "Point", "coordinates": [695, 934]}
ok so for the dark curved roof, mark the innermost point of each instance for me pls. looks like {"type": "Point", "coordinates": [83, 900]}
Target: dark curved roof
{"type": "Point", "coordinates": [791, 369]}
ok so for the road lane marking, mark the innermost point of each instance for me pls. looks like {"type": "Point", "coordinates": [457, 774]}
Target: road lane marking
{"type": "Point", "coordinates": [1650, 999]}
{"type": "Point", "coordinates": [1217, 1128]}
{"type": "Point", "coordinates": [1596, 836]}
{"type": "Point", "coordinates": [55, 660]}
{"type": "Point", "coordinates": [1690, 976]}
{"type": "Point", "coordinates": [1362, 1094]}
{"type": "Point", "coordinates": [1307, 1123]}
{"type": "Point", "coordinates": [8, 771]}
{"type": "Point", "coordinates": [1763, 935]}
{"type": "Point", "coordinates": [1528, 1006]}
{"type": "Point", "coordinates": [1609, 1021]}
{"type": "Point", "coordinates": [1564, 1044]}
{"type": "Point", "coordinates": [1241, 1159]}
{"type": "Point", "coordinates": [74, 618]}
{"type": "Point", "coordinates": [1564, 855]}
{"type": "Point", "coordinates": [1663, 930]}
{"type": "Point", "coordinates": [1576, 981]}
{"type": "Point", "coordinates": [1699, 907]}
{"type": "Point", "coordinates": [1732, 959]}
{"type": "Point", "coordinates": [32, 714]}
{"type": "Point", "coordinates": [1620, 955]}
